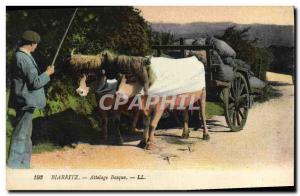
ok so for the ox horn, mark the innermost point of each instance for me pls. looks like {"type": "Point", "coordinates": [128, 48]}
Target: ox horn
{"type": "Point", "coordinates": [72, 52]}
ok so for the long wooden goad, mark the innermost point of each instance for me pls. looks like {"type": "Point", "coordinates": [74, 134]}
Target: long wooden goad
{"type": "Point", "coordinates": [63, 38]}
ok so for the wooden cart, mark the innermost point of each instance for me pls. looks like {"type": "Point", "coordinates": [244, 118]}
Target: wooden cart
{"type": "Point", "coordinates": [235, 95]}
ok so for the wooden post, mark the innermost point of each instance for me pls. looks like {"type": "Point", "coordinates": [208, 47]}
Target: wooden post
{"type": "Point", "coordinates": [158, 50]}
{"type": "Point", "coordinates": [260, 65]}
{"type": "Point", "coordinates": [182, 50]}
{"type": "Point", "coordinates": [208, 59]}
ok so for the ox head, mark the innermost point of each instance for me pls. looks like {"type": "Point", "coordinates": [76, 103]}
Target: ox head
{"type": "Point", "coordinates": [83, 89]}
{"type": "Point", "coordinates": [87, 69]}
{"type": "Point", "coordinates": [90, 73]}
{"type": "Point", "coordinates": [97, 80]}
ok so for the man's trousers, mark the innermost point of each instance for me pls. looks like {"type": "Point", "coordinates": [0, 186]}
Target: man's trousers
{"type": "Point", "coordinates": [21, 145]}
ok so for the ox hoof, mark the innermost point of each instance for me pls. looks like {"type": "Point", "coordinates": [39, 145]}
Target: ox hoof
{"type": "Point", "coordinates": [142, 144]}
{"type": "Point", "coordinates": [206, 137]}
{"type": "Point", "coordinates": [185, 135]}
{"type": "Point", "coordinates": [150, 146]}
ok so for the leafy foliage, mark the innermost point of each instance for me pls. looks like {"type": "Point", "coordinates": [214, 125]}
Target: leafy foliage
{"type": "Point", "coordinates": [249, 50]}
{"type": "Point", "coordinates": [162, 38]}
{"type": "Point", "coordinates": [284, 59]}
{"type": "Point", "coordinates": [121, 29]}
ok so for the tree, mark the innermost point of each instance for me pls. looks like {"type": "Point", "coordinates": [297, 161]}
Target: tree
{"type": "Point", "coordinates": [163, 38]}
{"type": "Point", "coordinates": [121, 29]}
{"type": "Point", "coordinates": [248, 50]}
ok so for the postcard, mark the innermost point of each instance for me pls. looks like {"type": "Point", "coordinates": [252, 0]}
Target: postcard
{"type": "Point", "coordinates": [150, 97]}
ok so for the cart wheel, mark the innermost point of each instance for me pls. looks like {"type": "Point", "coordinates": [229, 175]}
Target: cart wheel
{"type": "Point", "coordinates": [236, 102]}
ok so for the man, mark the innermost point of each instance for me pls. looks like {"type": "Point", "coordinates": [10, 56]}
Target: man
{"type": "Point", "coordinates": [27, 94]}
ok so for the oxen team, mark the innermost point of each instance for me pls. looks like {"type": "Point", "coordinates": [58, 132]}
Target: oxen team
{"type": "Point", "coordinates": [118, 83]}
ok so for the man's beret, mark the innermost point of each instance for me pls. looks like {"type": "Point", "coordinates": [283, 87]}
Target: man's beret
{"type": "Point", "coordinates": [31, 36]}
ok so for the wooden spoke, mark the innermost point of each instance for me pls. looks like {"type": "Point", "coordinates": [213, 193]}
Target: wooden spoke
{"type": "Point", "coordinates": [245, 96]}
{"type": "Point", "coordinates": [233, 91]}
{"type": "Point", "coordinates": [230, 106]}
{"type": "Point", "coordinates": [238, 118]}
{"type": "Point", "coordinates": [243, 103]}
{"type": "Point", "coordinates": [238, 83]}
{"type": "Point", "coordinates": [233, 118]}
{"type": "Point", "coordinates": [236, 87]}
{"type": "Point", "coordinates": [230, 97]}
{"type": "Point", "coordinates": [241, 113]}
{"type": "Point", "coordinates": [231, 112]}
{"type": "Point", "coordinates": [241, 89]}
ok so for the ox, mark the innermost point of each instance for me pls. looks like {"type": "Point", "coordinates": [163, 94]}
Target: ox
{"type": "Point", "coordinates": [121, 93]}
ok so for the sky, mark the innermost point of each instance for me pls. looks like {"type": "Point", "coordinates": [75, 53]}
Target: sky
{"type": "Point", "coordinates": [280, 15]}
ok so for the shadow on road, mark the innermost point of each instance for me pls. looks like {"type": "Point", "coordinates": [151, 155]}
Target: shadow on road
{"type": "Point", "coordinates": [277, 83]}
{"type": "Point", "coordinates": [69, 128]}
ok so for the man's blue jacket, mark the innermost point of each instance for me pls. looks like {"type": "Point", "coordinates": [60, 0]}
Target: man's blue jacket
{"type": "Point", "coordinates": [28, 83]}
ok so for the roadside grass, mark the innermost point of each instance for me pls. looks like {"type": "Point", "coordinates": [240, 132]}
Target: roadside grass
{"type": "Point", "coordinates": [214, 108]}
{"type": "Point", "coordinates": [45, 147]}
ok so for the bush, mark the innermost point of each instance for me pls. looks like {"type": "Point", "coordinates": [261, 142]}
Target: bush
{"type": "Point", "coordinates": [61, 96]}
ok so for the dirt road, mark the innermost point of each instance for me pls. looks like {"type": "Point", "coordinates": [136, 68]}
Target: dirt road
{"type": "Point", "coordinates": [266, 144]}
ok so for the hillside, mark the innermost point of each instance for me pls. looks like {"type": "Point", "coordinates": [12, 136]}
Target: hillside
{"type": "Point", "coordinates": [282, 35]}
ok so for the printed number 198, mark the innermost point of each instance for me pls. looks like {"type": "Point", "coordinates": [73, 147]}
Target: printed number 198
{"type": "Point", "coordinates": [38, 177]}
